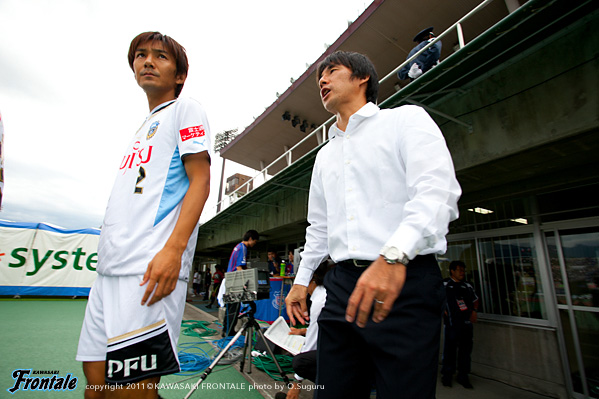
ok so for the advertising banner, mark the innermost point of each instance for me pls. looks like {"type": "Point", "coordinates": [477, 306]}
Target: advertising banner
{"type": "Point", "coordinates": [38, 259]}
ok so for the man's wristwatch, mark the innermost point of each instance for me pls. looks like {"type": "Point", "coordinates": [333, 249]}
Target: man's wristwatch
{"type": "Point", "coordinates": [392, 256]}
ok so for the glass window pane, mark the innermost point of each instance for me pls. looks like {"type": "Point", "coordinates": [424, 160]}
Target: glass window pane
{"type": "Point", "coordinates": [558, 281]}
{"type": "Point", "coordinates": [511, 277]}
{"type": "Point", "coordinates": [581, 254]}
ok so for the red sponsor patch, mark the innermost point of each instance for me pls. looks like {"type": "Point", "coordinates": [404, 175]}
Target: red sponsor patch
{"type": "Point", "coordinates": [192, 132]}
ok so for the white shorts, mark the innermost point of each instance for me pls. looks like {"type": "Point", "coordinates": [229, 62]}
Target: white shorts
{"type": "Point", "coordinates": [136, 342]}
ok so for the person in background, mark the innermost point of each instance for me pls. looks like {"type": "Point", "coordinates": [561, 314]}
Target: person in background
{"type": "Point", "coordinates": [237, 262]}
{"type": "Point", "coordinates": [217, 279]}
{"type": "Point", "coordinates": [304, 363]}
{"type": "Point", "coordinates": [424, 61]}
{"type": "Point", "coordinates": [274, 263]}
{"type": "Point", "coordinates": [207, 283]}
{"type": "Point", "coordinates": [196, 282]}
{"type": "Point", "coordinates": [290, 263]}
{"type": "Point", "coordinates": [462, 305]}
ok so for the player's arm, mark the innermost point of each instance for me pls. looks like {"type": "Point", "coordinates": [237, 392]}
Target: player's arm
{"type": "Point", "coordinates": [163, 271]}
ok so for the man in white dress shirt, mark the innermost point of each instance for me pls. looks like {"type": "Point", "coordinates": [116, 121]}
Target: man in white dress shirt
{"type": "Point", "coordinates": [382, 195]}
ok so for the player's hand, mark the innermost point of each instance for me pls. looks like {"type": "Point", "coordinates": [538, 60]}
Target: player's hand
{"type": "Point", "coordinates": [297, 310]}
{"type": "Point", "coordinates": [162, 275]}
{"type": "Point", "coordinates": [379, 285]}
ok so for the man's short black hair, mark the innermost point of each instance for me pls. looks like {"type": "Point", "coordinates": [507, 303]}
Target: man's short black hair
{"type": "Point", "coordinates": [454, 265]}
{"type": "Point", "coordinates": [361, 67]}
{"type": "Point", "coordinates": [253, 234]}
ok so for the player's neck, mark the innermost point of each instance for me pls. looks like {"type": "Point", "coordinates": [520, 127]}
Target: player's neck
{"type": "Point", "coordinates": [155, 99]}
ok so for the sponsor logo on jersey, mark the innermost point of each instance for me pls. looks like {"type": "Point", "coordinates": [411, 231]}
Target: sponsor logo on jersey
{"type": "Point", "coordinates": [138, 156]}
{"type": "Point", "coordinates": [192, 132]}
{"type": "Point", "coordinates": [153, 128]}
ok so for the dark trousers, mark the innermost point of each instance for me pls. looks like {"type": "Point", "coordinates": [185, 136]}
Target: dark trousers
{"type": "Point", "coordinates": [457, 341]}
{"type": "Point", "coordinates": [399, 355]}
{"type": "Point", "coordinates": [231, 317]}
{"type": "Point", "coordinates": [304, 365]}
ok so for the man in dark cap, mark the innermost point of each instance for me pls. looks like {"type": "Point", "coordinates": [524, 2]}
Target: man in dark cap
{"type": "Point", "coordinates": [424, 61]}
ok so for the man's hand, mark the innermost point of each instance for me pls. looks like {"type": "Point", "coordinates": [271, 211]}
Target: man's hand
{"type": "Point", "coordinates": [380, 284]}
{"type": "Point", "coordinates": [297, 331]}
{"type": "Point", "coordinates": [162, 274]}
{"type": "Point", "coordinates": [295, 301]}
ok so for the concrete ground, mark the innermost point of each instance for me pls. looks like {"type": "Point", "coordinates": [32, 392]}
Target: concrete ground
{"type": "Point", "coordinates": [483, 388]}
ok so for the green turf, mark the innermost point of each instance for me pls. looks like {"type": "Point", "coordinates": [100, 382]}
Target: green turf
{"type": "Point", "coordinates": [43, 335]}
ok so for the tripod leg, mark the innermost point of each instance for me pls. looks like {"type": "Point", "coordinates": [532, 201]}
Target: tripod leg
{"type": "Point", "coordinates": [245, 347]}
{"type": "Point", "coordinates": [216, 360]}
{"type": "Point", "coordinates": [271, 354]}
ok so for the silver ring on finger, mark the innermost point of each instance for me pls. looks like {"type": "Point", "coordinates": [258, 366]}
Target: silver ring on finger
{"type": "Point", "coordinates": [377, 301]}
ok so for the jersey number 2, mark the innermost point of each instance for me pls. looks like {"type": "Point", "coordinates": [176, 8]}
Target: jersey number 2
{"type": "Point", "coordinates": [140, 178]}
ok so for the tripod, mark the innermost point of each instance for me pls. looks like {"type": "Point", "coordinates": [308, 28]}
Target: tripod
{"type": "Point", "coordinates": [249, 326]}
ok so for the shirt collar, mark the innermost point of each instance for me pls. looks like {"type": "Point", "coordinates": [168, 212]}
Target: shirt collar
{"type": "Point", "coordinates": [162, 106]}
{"type": "Point", "coordinates": [368, 110]}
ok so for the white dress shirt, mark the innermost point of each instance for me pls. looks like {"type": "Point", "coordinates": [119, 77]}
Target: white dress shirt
{"type": "Point", "coordinates": [388, 180]}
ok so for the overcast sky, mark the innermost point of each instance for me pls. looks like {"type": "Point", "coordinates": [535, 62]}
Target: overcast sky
{"type": "Point", "coordinates": [70, 104]}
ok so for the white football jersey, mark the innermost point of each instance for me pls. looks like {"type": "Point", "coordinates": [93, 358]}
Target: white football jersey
{"type": "Point", "coordinates": [146, 198]}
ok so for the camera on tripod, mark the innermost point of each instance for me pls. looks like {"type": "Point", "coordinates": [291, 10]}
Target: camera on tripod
{"type": "Point", "coordinates": [246, 285]}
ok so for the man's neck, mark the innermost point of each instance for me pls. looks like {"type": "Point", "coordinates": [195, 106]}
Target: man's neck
{"type": "Point", "coordinates": [344, 114]}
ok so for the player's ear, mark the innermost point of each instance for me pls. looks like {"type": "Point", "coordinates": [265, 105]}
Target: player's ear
{"type": "Point", "coordinates": [180, 78]}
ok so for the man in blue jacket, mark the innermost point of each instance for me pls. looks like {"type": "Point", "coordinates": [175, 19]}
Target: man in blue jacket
{"type": "Point", "coordinates": [424, 61]}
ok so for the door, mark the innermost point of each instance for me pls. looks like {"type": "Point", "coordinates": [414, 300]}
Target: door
{"type": "Point", "coordinates": [574, 260]}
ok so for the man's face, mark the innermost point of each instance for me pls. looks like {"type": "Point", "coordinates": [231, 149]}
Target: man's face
{"type": "Point", "coordinates": [458, 274]}
{"type": "Point", "coordinates": [252, 242]}
{"type": "Point", "coordinates": [338, 88]}
{"type": "Point", "coordinates": [155, 68]}
{"type": "Point", "coordinates": [271, 256]}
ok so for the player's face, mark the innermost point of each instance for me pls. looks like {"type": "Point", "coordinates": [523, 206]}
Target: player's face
{"type": "Point", "coordinates": [155, 69]}
{"type": "Point", "coordinates": [338, 88]}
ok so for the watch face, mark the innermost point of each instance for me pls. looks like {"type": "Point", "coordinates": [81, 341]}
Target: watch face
{"type": "Point", "coordinates": [392, 253]}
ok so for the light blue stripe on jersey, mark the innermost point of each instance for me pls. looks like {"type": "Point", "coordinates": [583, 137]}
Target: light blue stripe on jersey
{"type": "Point", "coordinates": [175, 187]}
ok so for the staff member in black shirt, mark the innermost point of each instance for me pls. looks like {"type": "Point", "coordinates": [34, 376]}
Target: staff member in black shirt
{"type": "Point", "coordinates": [462, 303]}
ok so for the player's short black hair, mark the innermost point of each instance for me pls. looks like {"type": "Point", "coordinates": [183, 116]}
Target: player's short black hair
{"type": "Point", "coordinates": [253, 234]}
{"type": "Point", "coordinates": [361, 67]}
{"type": "Point", "coordinates": [454, 265]}
{"type": "Point", "coordinates": [171, 45]}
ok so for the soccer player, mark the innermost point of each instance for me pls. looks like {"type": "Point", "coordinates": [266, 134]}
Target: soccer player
{"type": "Point", "coordinates": [133, 317]}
